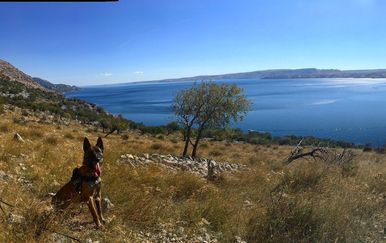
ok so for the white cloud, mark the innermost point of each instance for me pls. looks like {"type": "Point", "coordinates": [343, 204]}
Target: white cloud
{"type": "Point", "coordinates": [139, 72]}
{"type": "Point", "coordinates": [106, 74]}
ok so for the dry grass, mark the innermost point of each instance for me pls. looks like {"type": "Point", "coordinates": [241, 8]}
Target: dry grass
{"type": "Point", "coordinates": [305, 201]}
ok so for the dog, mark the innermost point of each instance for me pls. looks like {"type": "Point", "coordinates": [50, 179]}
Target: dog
{"type": "Point", "coordinates": [85, 183]}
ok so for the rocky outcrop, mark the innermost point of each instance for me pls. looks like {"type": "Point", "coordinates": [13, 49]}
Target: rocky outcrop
{"type": "Point", "coordinates": [174, 163]}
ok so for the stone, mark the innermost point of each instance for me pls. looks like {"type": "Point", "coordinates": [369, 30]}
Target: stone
{"type": "Point", "coordinates": [13, 218]}
{"type": "Point", "coordinates": [107, 204]}
{"type": "Point", "coordinates": [247, 203]}
{"type": "Point", "coordinates": [17, 137]}
{"type": "Point", "coordinates": [204, 221]}
{"type": "Point", "coordinates": [4, 176]}
{"type": "Point", "coordinates": [58, 238]}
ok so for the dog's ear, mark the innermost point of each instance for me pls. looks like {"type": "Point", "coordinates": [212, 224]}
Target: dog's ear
{"type": "Point", "coordinates": [86, 144]}
{"type": "Point", "coordinates": [99, 143]}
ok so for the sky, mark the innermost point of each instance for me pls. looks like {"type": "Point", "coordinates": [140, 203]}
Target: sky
{"type": "Point", "coordinates": [137, 40]}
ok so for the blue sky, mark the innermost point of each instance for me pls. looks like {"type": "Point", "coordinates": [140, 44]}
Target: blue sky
{"type": "Point", "coordinates": [95, 43]}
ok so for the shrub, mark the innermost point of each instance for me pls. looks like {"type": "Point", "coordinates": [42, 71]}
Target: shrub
{"type": "Point", "coordinates": [367, 149]}
{"type": "Point", "coordinates": [185, 185]}
{"type": "Point", "coordinates": [18, 120]}
{"type": "Point", "coordinates": [380, 150]}
{"type": "Point", "coordinates": [301, 178]}
{"type": "Point", "coordinates": [69, 136]}
{"type": "Point", "coordinates": [33, 133]}
{"type": "Point", "coordinates": [215, 153]}
{"type": "Point", "coordinates": [125, 136]}
{"type": "Point", "coordinates": [4, 128]}
{"type": "Point", "coordinates": [161, 137]}
{"type": "Point", "coordinates": [52, 140]}
{"type": "Point", "coordinates": [204, 145]}
{"type": "Point", "coordinates": [285, 220]}
{"type": "Point", "coordinates": [24, 112]}
{"type": "Point", "coordinates": [172, 127]}
{"type": "Point", "coordinates": [156, 146]}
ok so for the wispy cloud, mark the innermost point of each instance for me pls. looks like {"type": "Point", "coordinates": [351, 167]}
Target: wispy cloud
{"type": "Point", "coordinates": [106, 74]}
{"type": "Point", "coordinates": [139, 72]}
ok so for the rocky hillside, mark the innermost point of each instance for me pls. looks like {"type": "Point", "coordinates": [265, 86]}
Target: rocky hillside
{"type": "Point", "coordinates": [11, 73]}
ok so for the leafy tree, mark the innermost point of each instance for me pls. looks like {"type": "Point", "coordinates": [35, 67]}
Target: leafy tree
{"type": "Point", "coordinates": [208, 105]}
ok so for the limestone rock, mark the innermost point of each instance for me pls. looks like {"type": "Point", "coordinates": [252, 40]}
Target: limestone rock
{"type": "Point", "coordinates": [18, 138]}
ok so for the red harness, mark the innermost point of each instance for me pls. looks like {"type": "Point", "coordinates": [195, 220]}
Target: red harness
{"type": "Point", "coordinates": [86, 171]}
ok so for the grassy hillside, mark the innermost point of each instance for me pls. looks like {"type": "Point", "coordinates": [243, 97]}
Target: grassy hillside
{"type": "Point", "coordinates": [305, 201]}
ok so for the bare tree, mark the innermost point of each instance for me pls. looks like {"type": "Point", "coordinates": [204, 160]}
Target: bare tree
{"type": "Point", "coordinates": [326, 154]}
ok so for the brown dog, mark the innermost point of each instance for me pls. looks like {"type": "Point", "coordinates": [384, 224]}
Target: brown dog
{"type": "Point", "coordinates": [85, 184]}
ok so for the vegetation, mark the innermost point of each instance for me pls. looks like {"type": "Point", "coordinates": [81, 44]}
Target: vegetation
{"type": "Point", "coordinates": [266, 201]}
{"type": "Point", "coordinates": [208, 105]}
{"type": "Point", "coordinates": [305, 201]}
{"type": "Point", "coordinates": [52, 103]}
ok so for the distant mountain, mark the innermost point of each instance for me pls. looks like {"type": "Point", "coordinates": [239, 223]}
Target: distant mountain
{"type": "Point", "coordinates": [12, 74]}
{"type": "Point", "coordinates": [292, 73]}
{"type": "Point", "coordinates": [61, 88]}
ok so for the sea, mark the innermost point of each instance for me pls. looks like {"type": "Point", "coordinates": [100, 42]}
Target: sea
{"type": "Point", "coordinates": [353, 110]}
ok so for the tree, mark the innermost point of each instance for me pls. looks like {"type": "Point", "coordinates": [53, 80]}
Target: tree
{"type": "Point", "coordinates": [208, 105]}
{"type": "Point", "coordinates": [118, 124]}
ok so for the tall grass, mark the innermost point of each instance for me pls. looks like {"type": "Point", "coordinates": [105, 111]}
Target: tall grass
{"type": "Point", "coordinates": [305, 201]}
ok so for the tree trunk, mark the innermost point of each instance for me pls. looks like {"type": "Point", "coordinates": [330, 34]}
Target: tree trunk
{"type": "Point", "coordinates": [194, 151]}
{"type": "Point", "coordinates": [187, 139]}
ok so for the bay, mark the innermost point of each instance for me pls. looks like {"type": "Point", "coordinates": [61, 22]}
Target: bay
{"type": "Point", "coordinates": [343, 109]}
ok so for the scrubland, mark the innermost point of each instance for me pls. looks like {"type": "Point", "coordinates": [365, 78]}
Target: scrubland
{"type": "Point", "coordinates": [304, 201]}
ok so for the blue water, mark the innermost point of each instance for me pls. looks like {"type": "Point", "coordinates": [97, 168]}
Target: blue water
{"type": "Point", "coordinates": [348, 109]}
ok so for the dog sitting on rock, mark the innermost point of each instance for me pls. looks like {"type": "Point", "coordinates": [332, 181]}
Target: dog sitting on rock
{"type": "Point", "coordinates": [85, 183]}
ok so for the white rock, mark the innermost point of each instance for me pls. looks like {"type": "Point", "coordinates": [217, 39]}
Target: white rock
{"type": "Point", "coordinates": [107, 204]}
{"type": "Point", "coordinates": [18, 138]}
{"type": "Point", "coordinates": [13, 218]}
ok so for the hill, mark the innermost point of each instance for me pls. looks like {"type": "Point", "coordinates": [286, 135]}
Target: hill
{"type": "Point", "coordinates": [292, 73]}
{"type": "Point", "coordinates": [60, 88]}
{"type": "Point", "coordinates": [12, 74]}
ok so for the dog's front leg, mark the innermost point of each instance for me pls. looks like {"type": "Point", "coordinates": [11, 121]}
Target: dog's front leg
{"type": "Point", "coordinates": [99, 205]}
{"type": "Point", "coordinates": [91, 206]}
{"type": "Point", "coordinates": [99, 209]}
